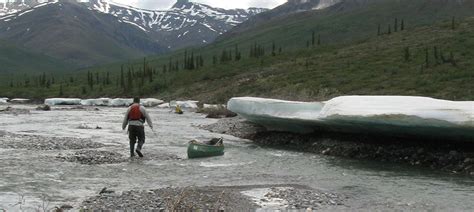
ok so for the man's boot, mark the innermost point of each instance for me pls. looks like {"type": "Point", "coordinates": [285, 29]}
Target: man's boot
{"type": "Point", "coordinates": [132, 152]}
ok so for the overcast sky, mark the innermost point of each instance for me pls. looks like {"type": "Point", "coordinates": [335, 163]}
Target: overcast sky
{"type": "Point", "coordinates": [228, 4]}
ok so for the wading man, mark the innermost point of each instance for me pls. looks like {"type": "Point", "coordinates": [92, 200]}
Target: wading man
{"type": "Point", "coordinates": [135, 119]}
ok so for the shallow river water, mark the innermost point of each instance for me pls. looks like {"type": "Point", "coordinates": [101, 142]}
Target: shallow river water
{"type": "Point", "coordinates": [36, 177]}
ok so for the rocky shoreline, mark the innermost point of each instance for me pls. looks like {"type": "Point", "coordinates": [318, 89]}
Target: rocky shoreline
{"type": "Point", "coordinates": [438, 155]}
{"type": "Point", "coordinates": [37, 142]}
{"type": "Point", "coordinates": [233, 198]}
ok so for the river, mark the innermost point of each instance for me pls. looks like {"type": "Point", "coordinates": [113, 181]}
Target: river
{"type": "Point", "coordinates": [35, 177]}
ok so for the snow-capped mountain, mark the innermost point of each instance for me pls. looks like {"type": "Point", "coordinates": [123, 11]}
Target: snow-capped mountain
{"type": "Point", "coordinates": [71, 33]}
{"type": "Point", "coordinates": [13, 6]}
{"type": "Point", "coordinates": [185, 24]}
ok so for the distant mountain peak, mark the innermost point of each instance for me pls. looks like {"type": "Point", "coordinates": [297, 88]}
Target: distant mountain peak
{"type": "Point", "coordinates": [185, 24]}
{"type": "Point", "coordinates": [183, 4]}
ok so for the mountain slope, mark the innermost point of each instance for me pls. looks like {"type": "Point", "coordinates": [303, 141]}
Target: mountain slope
{"type": "Point", "coordinates": [183, 25]}
{"type": "Point", "coordinates": [345, 21]}
{"type": "Point", "coordinates": [74, 34]}
{"type": "Point", "coordinates": [15, 60]}
{"type": "Point", "coordinates": [100, 31]}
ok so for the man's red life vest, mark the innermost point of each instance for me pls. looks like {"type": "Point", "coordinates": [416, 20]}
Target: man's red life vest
{"type": "Point", "coordinates": [135, 114]}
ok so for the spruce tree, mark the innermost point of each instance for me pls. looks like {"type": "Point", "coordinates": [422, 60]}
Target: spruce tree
{"type": "Point", "coordinates": [61, 93]}
{"type": "Point", "coordinates": [378, 30]}
{"type": "Point", "coordinates": [435, 54]}
{"type": "Point", "coordinates": [427, 55]}
{"type": "Point", "coordinates": [395, 27]}
{"type": "Point", "coordinates": [122, 79]}
{"type": "Point", "coordinates": [43, 81]}
{"type": "Point", "coordinates": [185, 59]}
{"type": "Point", "coordinates": [402, 27]}
{"type": "Point", "coordinates": [313, 39]}
{"type": "Point", "coordinates": [274, 48]}
{"type": "Point", "coordinates": [453, 23]}
{"type": "Point", "coordinates": [170, 66]}
{"type": "Point", "coordinates": [150, 75]}
{"type": "Point", "coordinates": [129, 80]}
{"type": "Point", "coordinates": [192, 65]}
{"type": "Point", "coordinates": [407, 54]}
{"type": "Point", "coordinates": [237, 53]}
{"type": "Point", "coordinates": [452, 60]}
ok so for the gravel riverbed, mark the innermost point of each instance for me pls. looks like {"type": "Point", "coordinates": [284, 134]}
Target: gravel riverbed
{"type": "Point", "coordinates": [64, 157]}
{"type": "Point", "coordinates": [235, 198]}
{"type": "Point", "coordinates": [38, 142]}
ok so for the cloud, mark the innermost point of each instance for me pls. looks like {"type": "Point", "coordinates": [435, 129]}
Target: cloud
{"type": "Point", "coordinates": [165, 4]}
{"type": "Point", "coordinates": [242, 3]}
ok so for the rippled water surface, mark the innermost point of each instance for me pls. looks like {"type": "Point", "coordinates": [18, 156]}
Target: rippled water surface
{"type": "Point", "coordinates": [37, 176]}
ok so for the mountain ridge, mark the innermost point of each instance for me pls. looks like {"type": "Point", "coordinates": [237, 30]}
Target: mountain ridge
{"type": "Point", "coordinates": [72, 34]}
{"type": "Point", "coordinates": [184, 24]}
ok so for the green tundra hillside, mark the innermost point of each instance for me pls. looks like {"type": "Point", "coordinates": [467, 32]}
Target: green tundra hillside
{"type": "Point", "coordinates": [382, 48]}
{"type": "Point", "coordinates": [21, 61]}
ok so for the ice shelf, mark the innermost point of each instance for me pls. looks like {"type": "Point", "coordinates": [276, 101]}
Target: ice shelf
{"type": "Point", "coordinates": [62, 101]}
{"type": "Point", "coordinates": [388, 115]}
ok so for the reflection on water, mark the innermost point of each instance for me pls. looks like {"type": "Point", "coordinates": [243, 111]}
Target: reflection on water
{"type": "Point", "coordinates": [40, 177]}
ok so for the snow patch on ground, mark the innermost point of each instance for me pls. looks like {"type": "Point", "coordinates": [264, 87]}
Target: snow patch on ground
{"type": "Point", "coordinates": [151, 102]}
{"type": "Point", "coordinates": [325, 4]}
{"type": "Point", "coordinates": [19, 100]}
{"type": "Point", "coordinates": [134, 24]}
{"type": "Point", "coordinates": [185, 104]}
{"type": "Point", "coordinates": [3, 101]}
{"type": "Point", "coordinates": [96, 102]}
{"type": "Point", "coordinates": [118, 102]}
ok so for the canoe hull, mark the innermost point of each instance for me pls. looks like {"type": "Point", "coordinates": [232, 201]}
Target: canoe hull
{"type": "Point", "coordinates": [202, 150]}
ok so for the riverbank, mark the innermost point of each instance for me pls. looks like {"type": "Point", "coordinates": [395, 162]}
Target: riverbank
{"type": "Point", "coordinates": [456, 158]}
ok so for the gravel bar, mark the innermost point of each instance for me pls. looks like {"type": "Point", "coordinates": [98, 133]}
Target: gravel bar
{"type": "Point", "coordinates": [236, 198]}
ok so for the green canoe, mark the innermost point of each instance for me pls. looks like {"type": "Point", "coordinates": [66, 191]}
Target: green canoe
{"type": "Point", "coordinates": [199, 150]}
